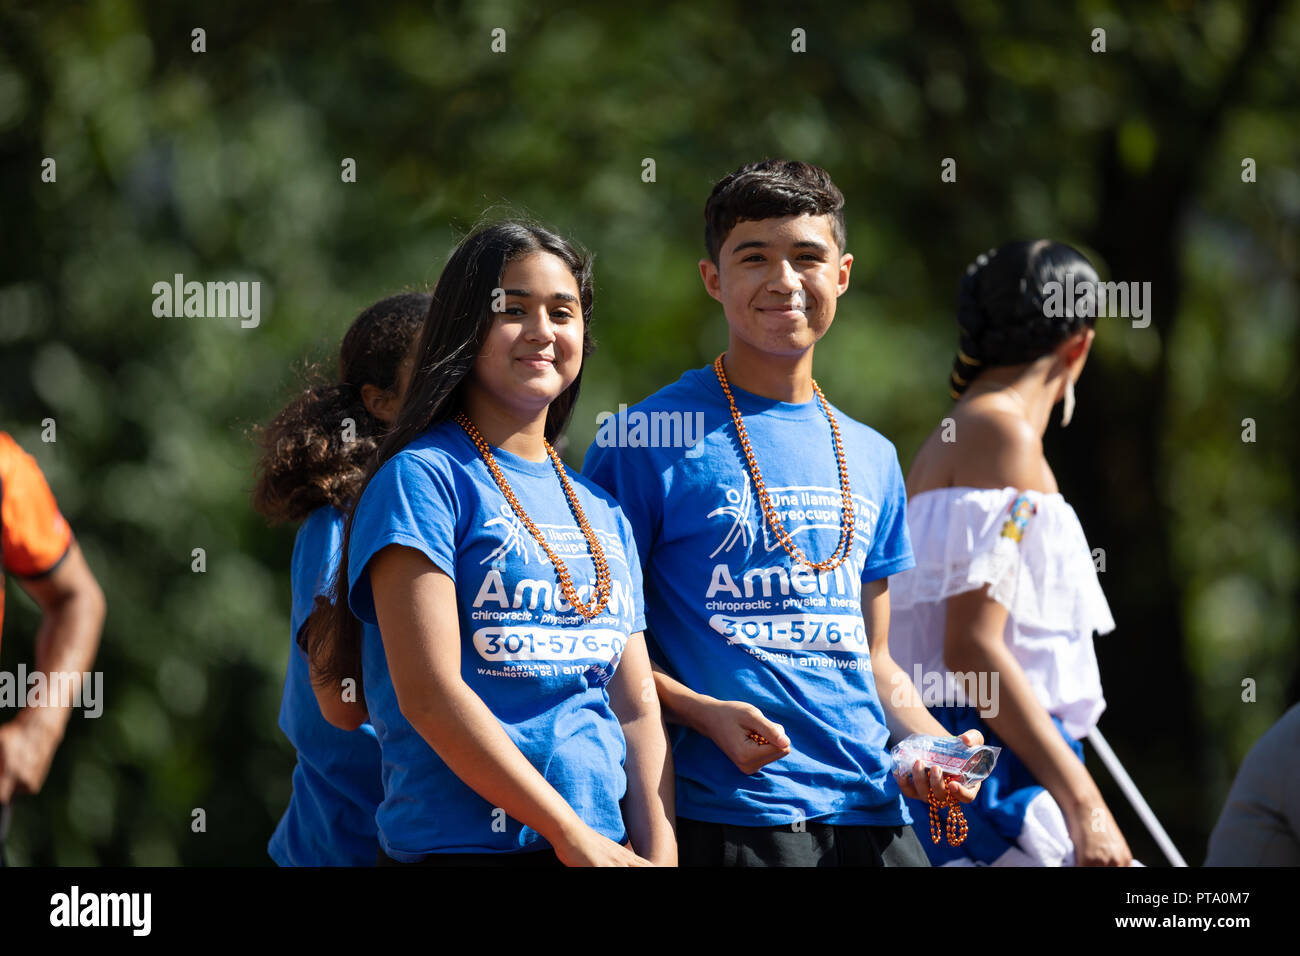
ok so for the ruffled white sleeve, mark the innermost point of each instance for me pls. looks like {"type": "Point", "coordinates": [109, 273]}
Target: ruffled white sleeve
{"type": "Point", "coordinates": [1030, 550]}
{"type": "Point", "coordinates": [965, 538]}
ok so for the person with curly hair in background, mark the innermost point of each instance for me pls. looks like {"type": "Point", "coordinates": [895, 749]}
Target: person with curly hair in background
{"type": "Point", "coordinates": [314, 457]}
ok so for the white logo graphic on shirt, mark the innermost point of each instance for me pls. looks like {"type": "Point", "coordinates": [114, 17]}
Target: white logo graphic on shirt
{"type": "Point", "coordinates": [737, 509]}
{"type": "Point", "coordinates": [781, 611]}
{"type": "Point", "coordinates": [515, 536]}
{"type": "Point", "coordinates": [801, 508]}
{"type": "Point", "coordinates": [567, 541]}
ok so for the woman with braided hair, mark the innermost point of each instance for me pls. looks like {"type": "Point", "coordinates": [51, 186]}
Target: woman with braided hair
{"type": "Point", "coordinates": [1004, 600]}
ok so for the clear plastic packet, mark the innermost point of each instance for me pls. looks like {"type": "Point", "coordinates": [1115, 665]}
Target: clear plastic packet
{"type": "Point", "coordinates": [949, 754]}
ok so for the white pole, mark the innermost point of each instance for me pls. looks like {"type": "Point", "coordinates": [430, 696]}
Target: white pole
{"type": "Point", "coordinates": [1134, 797]}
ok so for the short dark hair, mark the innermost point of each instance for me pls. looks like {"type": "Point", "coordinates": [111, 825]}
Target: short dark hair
{"type": "Point", "coordinates": [771, 189]}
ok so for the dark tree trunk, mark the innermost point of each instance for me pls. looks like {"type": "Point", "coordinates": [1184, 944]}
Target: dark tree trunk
{"type": "Point", "coordinates": [1113, 454]}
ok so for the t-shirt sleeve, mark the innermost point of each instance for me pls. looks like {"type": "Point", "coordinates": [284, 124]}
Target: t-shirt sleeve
{"type": "Point", "coordinates": [411, 501]}
{"type": "Point", "coordinates": [891, 547]}
{"type": "Point", "coordinates": [635, 485]}
{"type": "Point", "coordinates": [34, 536]}
{"type": "Point", "coordinates": [317, 550]}
{"type": "Point", "coordinates": [634, 572]}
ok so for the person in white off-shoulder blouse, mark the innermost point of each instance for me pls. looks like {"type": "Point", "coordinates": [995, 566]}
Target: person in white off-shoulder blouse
{"type": "Point", "coordinates": [994, 626]}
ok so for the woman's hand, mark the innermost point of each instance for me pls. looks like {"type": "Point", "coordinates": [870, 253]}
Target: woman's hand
{"type": "Point", "coordinates": [729, 723]}
{"type": "Point", "coordinates": [586, 847]}
{"type": "Point", "coordinates": [918, 784]}
{"type": "Point", "coordinates": [1096, 837]}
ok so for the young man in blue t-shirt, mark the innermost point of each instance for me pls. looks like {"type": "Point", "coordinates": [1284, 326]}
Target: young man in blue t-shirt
{"type": "Point", "coordinates": [767, 604]}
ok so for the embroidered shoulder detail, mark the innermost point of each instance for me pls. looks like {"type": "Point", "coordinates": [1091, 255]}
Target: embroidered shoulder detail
{"type": "Point", "coordinates": [1022, 509]}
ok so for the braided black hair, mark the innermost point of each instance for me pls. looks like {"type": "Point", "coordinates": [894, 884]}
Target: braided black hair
{"type": "Point", "coordinates": [1001, 318]}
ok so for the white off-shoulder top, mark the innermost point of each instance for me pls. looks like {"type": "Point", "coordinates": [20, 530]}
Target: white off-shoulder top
{"type": "Point", "coordinates": [1038, 567]}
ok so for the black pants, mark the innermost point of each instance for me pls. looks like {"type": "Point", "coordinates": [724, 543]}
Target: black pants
{"type": "Point", "coordinates": [814, 844]}
{"type": "Point", "coordinates": [532, 860]}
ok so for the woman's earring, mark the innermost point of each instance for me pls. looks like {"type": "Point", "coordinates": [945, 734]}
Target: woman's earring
{"type": "Point", "coordinates": [1068, 412]}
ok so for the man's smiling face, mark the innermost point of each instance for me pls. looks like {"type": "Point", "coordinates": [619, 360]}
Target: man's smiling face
{"type": "Point", "coordinates": [777, 280]}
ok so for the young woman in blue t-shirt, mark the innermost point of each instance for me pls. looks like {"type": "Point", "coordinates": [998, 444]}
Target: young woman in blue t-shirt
{"type": "Point", "coordinates": [314, 454]}
{"type": "Point", "coordinates": [497, 598]}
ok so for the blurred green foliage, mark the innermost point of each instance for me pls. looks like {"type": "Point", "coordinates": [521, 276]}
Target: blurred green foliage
{"type": "Point", "coordinates": [225, 165]}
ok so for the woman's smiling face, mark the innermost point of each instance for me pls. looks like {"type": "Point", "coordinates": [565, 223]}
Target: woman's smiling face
{"type": "Point", "coordinates": [533, 350]}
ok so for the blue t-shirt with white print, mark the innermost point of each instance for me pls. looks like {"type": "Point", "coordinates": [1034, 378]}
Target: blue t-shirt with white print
{"type": "Point", "coordinates": [336, 787]}
{"type": "Point", "coordinates": [538, 665]}
{"type": "Point", "coordinates": [729, 615]}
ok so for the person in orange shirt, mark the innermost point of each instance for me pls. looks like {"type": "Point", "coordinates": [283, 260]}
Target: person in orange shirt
{"type": "Point", "coordinates": [40, 553]}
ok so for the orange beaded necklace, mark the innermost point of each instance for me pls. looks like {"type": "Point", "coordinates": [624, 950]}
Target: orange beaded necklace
{"type": "Point", "coordinates": [600, 597]}
{"type": "Point", "coordinates": [769, 513]}
{"type": "Point", "coordinates": [957, 828]}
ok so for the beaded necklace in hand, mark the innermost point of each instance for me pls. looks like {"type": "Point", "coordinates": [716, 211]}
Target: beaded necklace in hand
{"type": "Point", "coordinates": [769, 513]}
{"type": "Point", "coordinates": [600, 597]}
{"type": "Point", "coordinates": [957, 828]}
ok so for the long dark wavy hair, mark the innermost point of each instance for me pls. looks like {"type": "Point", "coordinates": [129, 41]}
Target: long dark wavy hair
{"type": "Point", "coordinates": [460, 317]}
{"type": "Point", "coordinates": [309, 455]}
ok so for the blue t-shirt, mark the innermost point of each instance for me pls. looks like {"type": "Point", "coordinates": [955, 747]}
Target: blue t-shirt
{"type": "Point", "coordinates": [538, 665]}
{"type": "Point", "coordinates": [336, 787]}
{"type": "Point", "coordinates": [731, 617]}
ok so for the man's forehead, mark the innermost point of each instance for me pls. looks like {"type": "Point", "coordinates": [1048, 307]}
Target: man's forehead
{"type": "Point", "coordinates": [784, 229]}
